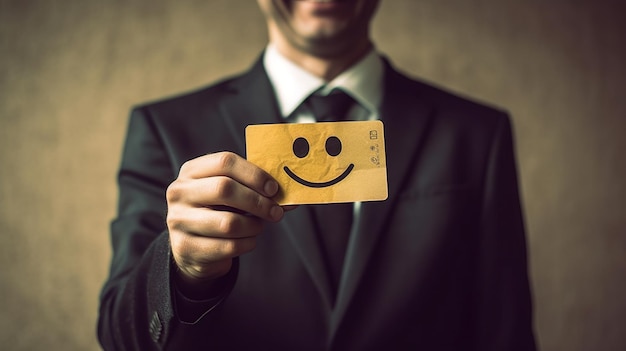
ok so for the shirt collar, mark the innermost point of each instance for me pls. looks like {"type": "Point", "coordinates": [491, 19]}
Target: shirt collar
{"type": "Point", "coordinates": [292, 84]}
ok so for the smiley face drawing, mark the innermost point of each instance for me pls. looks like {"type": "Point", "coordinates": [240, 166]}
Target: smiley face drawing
{"type": "Point", "coordinates": [301, 150]}
{"type": "Point", "coordinates": [323, 162]}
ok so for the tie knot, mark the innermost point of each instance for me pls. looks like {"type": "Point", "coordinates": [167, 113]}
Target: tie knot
{"type": "Point", "coordinates": [331, 107]}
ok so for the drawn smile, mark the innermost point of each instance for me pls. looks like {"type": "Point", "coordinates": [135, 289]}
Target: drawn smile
{"type": "Point", "coordinates": [304, 182]}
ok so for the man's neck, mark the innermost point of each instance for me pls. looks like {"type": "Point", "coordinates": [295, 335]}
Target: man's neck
{"type": "Point", "coordinates": [326, 68]}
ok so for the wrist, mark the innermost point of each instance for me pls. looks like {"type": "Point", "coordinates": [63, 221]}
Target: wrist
{"type": "Point", "coordinates": [198, 288]}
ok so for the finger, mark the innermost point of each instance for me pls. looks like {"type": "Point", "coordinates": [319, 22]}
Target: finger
{"type": "Point", "coordinates": [224, 191]}
{"type": "Point", "coordinates": [207, 222]}
{"type": "Point", "coordinates": [230, 165]}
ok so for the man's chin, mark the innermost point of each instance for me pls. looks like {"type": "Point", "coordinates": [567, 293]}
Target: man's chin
{"type": "Point", "coordinates": [327, 46]}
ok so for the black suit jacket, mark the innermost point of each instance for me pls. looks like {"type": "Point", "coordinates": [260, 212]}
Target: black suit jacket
{"type": "Point", "coordinates": [440, 265]}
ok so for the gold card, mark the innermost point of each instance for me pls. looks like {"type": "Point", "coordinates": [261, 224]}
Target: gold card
{"type": "Point", "coordinates": [324, 162]}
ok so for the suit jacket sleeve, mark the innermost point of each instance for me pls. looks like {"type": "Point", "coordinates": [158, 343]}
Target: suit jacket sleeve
{"type": "Point", "coordinates": [137, 303]}
{"type": "Point", "coordinates": [504, 305]}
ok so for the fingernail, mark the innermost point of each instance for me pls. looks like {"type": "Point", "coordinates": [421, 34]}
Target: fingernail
{"type": "Point", "coordinates": [276, 212]}
{"type": "Point", "coordinates": [271, 187]}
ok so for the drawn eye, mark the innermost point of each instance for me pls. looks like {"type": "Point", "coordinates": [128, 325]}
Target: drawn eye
{"type": "Point", "coordinates": [333, 146]}
{"type": "Point", "coordinates": [300, 147]}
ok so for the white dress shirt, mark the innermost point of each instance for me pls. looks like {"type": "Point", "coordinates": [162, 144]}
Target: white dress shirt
{"type": "Point", "coordinates": [292, 85]}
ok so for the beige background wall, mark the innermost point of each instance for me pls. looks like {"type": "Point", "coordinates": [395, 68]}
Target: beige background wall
{"type": "Point", "coordinates": [70, 70]}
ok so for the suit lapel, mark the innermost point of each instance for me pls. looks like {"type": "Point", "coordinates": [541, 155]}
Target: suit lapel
{"type": "Point", "coordinates": [251, 100]}
{"type": "Point", "coordinates": [405, 118]}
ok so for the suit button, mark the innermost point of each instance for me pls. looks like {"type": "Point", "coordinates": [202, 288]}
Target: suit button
{"type": "Point", "coordinates": [155, 327]}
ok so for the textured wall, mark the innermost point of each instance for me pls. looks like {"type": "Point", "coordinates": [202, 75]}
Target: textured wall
{"type": "Point", "coordinates": [70, 70]}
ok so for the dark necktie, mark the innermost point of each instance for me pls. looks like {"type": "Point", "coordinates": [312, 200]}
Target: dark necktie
{"type": "Point", "coordinates": [331, 107]}
{"type": "Point", "coordinates": [334, 221]}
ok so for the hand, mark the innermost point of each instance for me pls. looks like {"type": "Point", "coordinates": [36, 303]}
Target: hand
{"type": "Point", "coordinates": [216, 208]}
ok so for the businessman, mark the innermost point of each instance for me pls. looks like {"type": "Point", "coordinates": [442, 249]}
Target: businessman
{"type": "Point", "coordinates": [204, 258]}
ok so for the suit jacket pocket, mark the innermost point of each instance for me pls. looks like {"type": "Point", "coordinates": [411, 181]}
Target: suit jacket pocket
{"type": "Point", "coordinates": [437, 209]}
{"type": "Point", "coordinates": [425, 192]}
